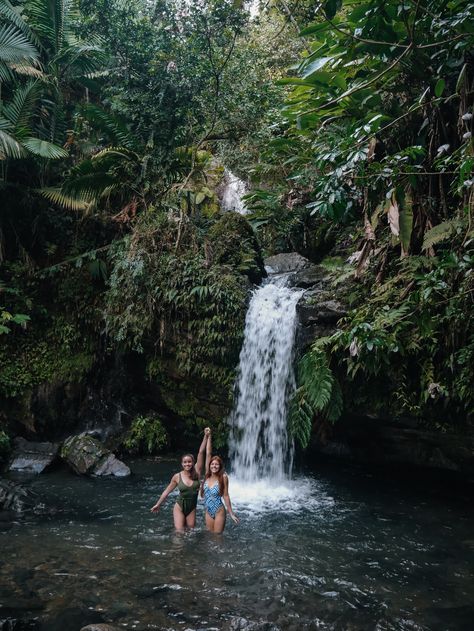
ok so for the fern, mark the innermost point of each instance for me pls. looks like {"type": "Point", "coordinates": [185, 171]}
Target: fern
{"type": "Point", "coordinates": [440, 233]}
{"type": "Point", "coordinates": [319, 392]}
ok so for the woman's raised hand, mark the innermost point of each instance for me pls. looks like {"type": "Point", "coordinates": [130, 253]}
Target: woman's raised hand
{"type": "Point", "coordinates": [207, 431]}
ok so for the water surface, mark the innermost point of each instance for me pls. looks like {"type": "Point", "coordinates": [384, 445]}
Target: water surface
{"type": "Point", "coordinates": [336, 549]}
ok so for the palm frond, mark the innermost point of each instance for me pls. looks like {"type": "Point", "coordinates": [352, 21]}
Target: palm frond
{"type": "Point", "coordinates": [110, 125]}
{"type": "Point", "coordinates": [13, 16]}
{"type": "Point", "coordinates": [9, 145]}
{"type": "Point", "coordinates": [15, 46]}
{"type": "Point", "coordinates": [44, 149]}
{"type": "Point", "coordinates": [57, 197]}
{"type": "Point", "coordinates": [20, 109]}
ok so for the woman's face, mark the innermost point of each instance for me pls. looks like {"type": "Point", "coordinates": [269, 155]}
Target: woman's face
{"type": "Point", "coordinates": [215, 466]}
{"type": "Point", "coordinates": [187, 463]}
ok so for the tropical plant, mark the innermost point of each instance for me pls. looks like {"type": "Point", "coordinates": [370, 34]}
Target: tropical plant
{"type": "Point", "coordinates": [146, 435]}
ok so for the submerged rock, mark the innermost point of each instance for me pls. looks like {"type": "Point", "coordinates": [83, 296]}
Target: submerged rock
{"type": "Point", "coordinates": [100, 627]}
{"type": "Point", "coordinates": [242, 624]}
{"type": "Point", "coordinates": [87, 456]}
{"type": "Point", "coordinates": [31, 457]}
{"type": "Point", "coordinates": [15, 497]}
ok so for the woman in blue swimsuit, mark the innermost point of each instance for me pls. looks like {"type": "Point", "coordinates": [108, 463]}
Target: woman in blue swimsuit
{"type": "Point", "coordinates": [216, 492]}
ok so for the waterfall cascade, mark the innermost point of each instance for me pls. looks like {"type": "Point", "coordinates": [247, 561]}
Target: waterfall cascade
{"type": "Point", "coordinates": [259, 445]}
{"type": "Point", "coordinates": [232, 193]}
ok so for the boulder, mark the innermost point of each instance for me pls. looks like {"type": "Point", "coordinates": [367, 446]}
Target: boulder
{"type": "Point", "coordinates": [310, 276]}
{"type": "Point", "coordinates": [87, 456]}
{"type": "Point", "coordinates": [324, 312]}
{"type": "Point", "coordinates": [287, 262]}
{"type": "Point", "coordinates": [31, 457]}
{"type": "Point", "coordinates": [16, 498]}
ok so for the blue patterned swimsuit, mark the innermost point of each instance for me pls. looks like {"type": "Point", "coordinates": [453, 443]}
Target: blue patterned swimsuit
{"type": "Point", "coordinates": [212, 499]}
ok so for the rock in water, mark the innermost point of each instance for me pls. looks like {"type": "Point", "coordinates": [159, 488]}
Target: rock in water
{"type": "Point", "coordinates": [14, 497]}
{"type": "Point", "coordinates": [30, 457]}
{"type": "Point", "coordinates": [100, 627]}
{"type": "Point", "coordinates": [87, 456]}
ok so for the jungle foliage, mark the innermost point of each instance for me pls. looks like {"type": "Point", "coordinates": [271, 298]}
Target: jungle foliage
{"type": "Point", "coordinates": [377, 130]}
{"type": "Point", "coordinates": [353, 122]}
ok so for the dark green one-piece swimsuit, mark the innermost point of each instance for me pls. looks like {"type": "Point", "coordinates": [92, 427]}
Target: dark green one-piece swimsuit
{"type": "Point", "coordinates": [188, 495]}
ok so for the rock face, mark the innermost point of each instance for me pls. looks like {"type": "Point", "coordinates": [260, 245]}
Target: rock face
{"type": "Point", "coordinates": [30, 457]}
{"type": "Point", "coordinates": [383, 441]}
{"type": "Point", "coordinates": [87, 456]}
{"type": "Point", "coordinates": [16, 498]}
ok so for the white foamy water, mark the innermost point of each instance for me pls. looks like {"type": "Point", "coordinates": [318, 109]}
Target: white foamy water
{"type": "Point", "coordinates": [259, 447]}
{"type": "Point", "coordinates": [284, 496]}
{"type": "Point", "coordinates": [232, 194]}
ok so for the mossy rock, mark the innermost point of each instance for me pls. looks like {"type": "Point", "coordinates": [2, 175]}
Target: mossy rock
{"type": "Point", "coordinates": [87, 456]}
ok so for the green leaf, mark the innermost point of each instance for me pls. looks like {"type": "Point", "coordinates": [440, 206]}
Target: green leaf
{"type": "Point", "coordinates": [44, 149]}
{"type": "Point", "coordinates": [406, 226]}
{"type": "Point", "coordinates": [439, 87]}
{"type": "Point", "coordinates": [331, 7]}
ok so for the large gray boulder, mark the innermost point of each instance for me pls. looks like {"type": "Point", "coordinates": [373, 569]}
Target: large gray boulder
{"type": "Point", "coordinates": [286, 262]}
{"type": "Point", "coordinates": [32, 457]}
{"type": "Point", "coordinates": [87, 456]}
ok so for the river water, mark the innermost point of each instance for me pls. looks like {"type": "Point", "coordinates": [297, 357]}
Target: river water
{"type": "Point", "coordinates": [336, 548]}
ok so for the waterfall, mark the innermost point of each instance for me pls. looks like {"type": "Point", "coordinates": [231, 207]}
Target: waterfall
{"type": "Point", "coordinates": [232, 192]}
{"type": "Point", "coordinates": [259, 445]}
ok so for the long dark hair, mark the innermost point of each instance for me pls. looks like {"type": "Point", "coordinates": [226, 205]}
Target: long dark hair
{"type": "Point", "coordinates": [193, 472]}
{"type": "Point", "coordinates": [220, 474]}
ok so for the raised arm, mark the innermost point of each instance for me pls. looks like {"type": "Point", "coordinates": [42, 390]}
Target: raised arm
{"type": "Point", "coordinates": [208, 452]}
{"type": "Point", "coordinates": [171, 486]}
{"type": "Point", "coordinates": [202, 448]}
{"type": "Point", "coordinates": [227, 502]}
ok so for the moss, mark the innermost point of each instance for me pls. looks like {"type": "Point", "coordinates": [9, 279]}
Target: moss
{"type": "Point", "coordinates": [35, 357]}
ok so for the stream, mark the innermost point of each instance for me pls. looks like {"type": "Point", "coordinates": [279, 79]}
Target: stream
{"type": "Point", "coordinates": [334, 548]}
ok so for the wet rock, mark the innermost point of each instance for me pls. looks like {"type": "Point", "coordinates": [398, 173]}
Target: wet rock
{"type": "Point", "coordinates": [14, 624]}
{"type": "Point", "coordinates": [31, 457]}
{"type": "Point", "coordinates": [15, 497]}
{"type": "Point", "coordinates": [242, 624]}
{"type": "Point", "coordinates": [287, 262]}
{"type": "Point", "coordinates": [378, 440]}
{"type": "Point", "coordinates": [309, 277]}
{"type": "Point", "coordinates": [74, 618]}
{"type": "Point", "coordinates": [87, 456]}
{"type": "Point", "coordinates": [100, 627]}
{"type": "Point", "coordinates": [325, 312]}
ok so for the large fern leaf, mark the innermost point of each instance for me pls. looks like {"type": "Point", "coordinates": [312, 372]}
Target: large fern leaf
{"type": "Point", "coordinates": [440, 233]}
{"type": "Point", "coordinates": [319, 392]}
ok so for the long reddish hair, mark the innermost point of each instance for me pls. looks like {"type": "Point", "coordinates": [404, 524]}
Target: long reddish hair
{"type": "Point", "coordinates": [193, 472]}
{"type": "Point", "coordinates": [220, 474]}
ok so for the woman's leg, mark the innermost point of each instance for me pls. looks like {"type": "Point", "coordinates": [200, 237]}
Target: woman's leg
{"type": "Point", "coordinates": [209, 522]}
{"type": "Point", "coordinates": [219, 521]}
{"type": "Point", "coordinates": [191, 519]}
{"type": "Point", "coordinates": [179, 518]}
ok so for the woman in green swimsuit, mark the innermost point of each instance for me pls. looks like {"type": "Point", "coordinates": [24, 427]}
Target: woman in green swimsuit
{"type": "Point", "coordinates": [187, 481]}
